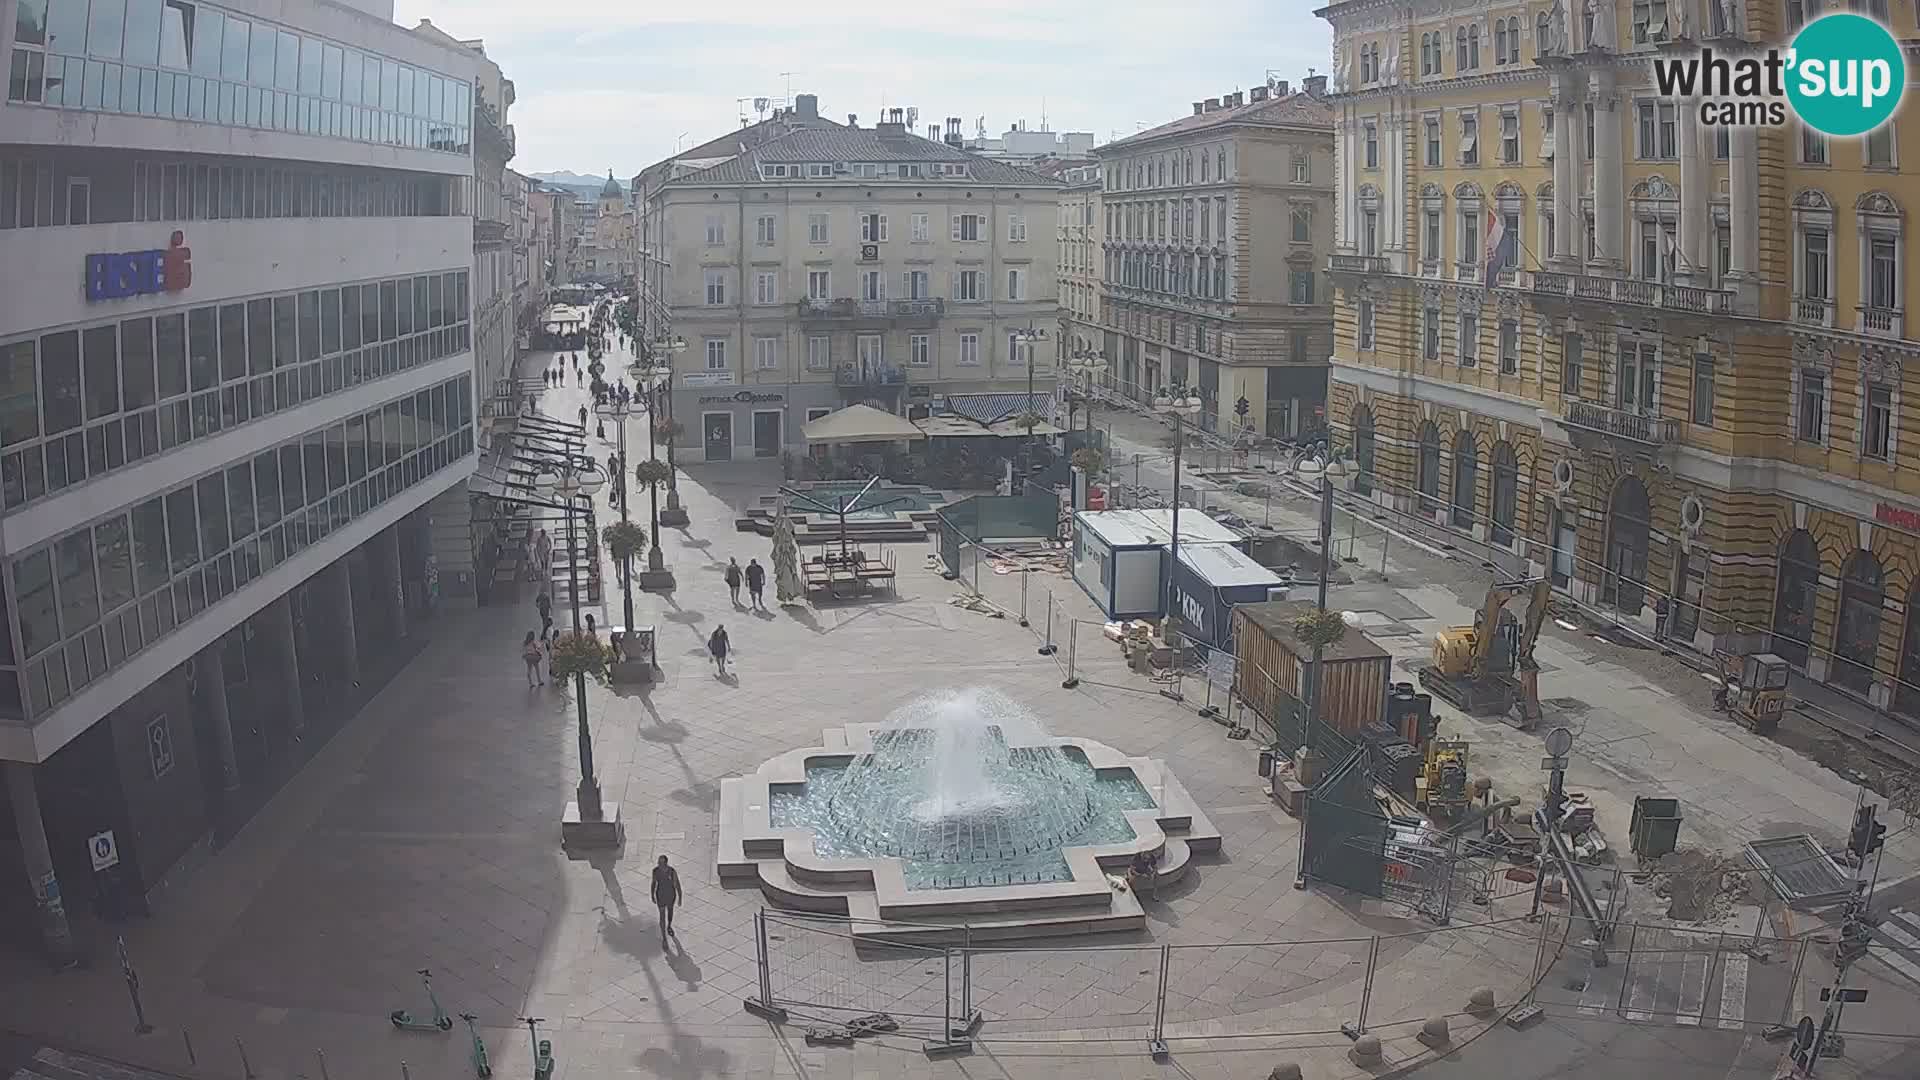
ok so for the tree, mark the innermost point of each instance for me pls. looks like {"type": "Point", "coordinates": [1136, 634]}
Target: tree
{"type": "Point", "coordinates": [1320, 628]}
{"type": "Point", "coordinates": [652, 473]}
{"type": "Point", "coordinates": [624, 541]}
{"type": "Point", "coordinates": [1088, 460]}
{"type": "Point", "coordinates": [577, 654]}
{"type": "Point", "coordinates": [1027, 421]}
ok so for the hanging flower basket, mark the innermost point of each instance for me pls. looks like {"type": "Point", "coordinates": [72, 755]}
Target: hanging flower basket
{"type": "Point", "coordinates": [624, 539]}
{"type": "Point", "coordinates": [579, 654]}
{"type": "Point", "coordinates": [1088, 460]}
{"type": "Point", "coordinates": [652, 473]}
{"type": "Point", "coordinates": [1320, 628]}
{"type": "Point", "coordinates": [1027, 421]}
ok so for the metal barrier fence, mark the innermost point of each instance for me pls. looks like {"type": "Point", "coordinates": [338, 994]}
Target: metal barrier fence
{"type": "Point", "coordinates": [1687, 977]}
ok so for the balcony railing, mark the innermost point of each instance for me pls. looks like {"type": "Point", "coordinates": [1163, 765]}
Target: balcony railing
{"type": "Point", "coordinates": [1357, 264]}
{"type": "Point", "coordinates": [1882, 321]}
{"type": "Point", "coordinates": [1812, 310]}
{"type": "Point", "coordinates": [1466, 271]}
{"type": "Point", "coordinates": [1633, 291]}
{"type": "Point", "coordinates": [1620, 424]}
{"type": "Point", "coordinates": [850, 310]}
{"type": "Point", "coordinates": [880, 375]}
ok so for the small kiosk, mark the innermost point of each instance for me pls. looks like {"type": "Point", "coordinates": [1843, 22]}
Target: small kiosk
{"type": "Point", "coordinates": [1120, 556]}
{"type": "Point", "coordinates": [1208, 581]}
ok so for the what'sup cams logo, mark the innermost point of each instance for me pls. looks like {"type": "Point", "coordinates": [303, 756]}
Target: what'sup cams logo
{"type": "Point", "coordinates": [1843, 75]}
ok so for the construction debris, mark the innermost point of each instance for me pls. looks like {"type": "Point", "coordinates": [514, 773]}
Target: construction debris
{"type": "Point", "coordinates": [1699, 886]}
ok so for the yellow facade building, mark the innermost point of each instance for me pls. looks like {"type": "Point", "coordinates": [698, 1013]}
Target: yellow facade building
{"type": "Point", "coordinates": [1659, 361]}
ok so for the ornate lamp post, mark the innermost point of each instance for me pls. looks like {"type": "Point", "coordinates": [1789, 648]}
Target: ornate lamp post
{"type": "Point", "coordinates": [1183, 405]}
{"type": "Point", "coordinates": [1025, 340]}
{"type": "Point", "coordinates": [1082, 363]}
{"type": "Point", "coordinates": [617, 411]}
{"type": "Point", "coordinates": [1327, 472]}
{"type": "Point", "coordinates": [586, 821]}
{"type": "Point", "coordinates": [657, 381]}
{"type": "Point", "coordinates": [665, 350]}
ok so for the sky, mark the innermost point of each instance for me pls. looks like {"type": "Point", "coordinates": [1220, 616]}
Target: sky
{"type": "Point", "coordinates": [619, 84]}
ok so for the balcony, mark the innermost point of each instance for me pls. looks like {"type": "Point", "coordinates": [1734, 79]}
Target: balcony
{"type": "Point", "coordinates": [1356, 264]}
{"type": "Point", "coordinates": [1650, 431]}
{"type": "Point", "coordinates": [871, 376]}
{"type": "Point", "coordinates": [489, 233]}
{"type": "Point", "coordinates": [1466, 271]}
{"type": "Point", "coordinates": [875, 313]}
{"type": "Point", "coordinates": [1813, 310]}
{"type": "Point", "coordinates": [1632, 292]}
{"type": "Point", "coordinates": [1882, 321]}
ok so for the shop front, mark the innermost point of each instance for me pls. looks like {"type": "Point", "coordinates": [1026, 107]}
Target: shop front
{"type": "Point", "coordinates": [725, 422]}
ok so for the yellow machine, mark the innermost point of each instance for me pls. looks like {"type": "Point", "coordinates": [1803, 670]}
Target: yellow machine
{"type": "Point", "coordinates": [1483, 671]}
{"type": "Point", "coordinates": [1754, 689]}
{"type": "Point", "coordinates": [1443, 790]}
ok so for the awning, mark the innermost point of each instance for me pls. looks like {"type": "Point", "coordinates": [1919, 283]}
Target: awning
{"type": "Point", "coordinates": [532, 445]}
{"type": "Point", "coordinates": [953, 427]}
{"type": "Point", "coordinates": [1009, 427]}
{"type": "Point", "coordinates": [988, 408]}
{"type": "Point", "coordinates": [859, 424]}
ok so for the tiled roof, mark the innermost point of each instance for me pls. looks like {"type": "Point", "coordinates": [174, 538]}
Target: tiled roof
{"type": "Point", "coordinates": [1300, 109]}
{"type": "Point", "coordinates": [817, 145]}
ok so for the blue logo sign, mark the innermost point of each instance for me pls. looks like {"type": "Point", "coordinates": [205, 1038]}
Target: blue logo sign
{"type": "Point", "coordinates": [141, 273]}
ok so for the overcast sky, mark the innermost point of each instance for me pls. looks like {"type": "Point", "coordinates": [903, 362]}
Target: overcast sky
{"type": "Point", "coordinates": [613, 83]}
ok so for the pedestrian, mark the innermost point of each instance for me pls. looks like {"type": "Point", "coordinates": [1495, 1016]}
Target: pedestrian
{"type": "Point", "coordinates": [600, 430]}
{"type": "Point", "coordinates": [544, 605]}
{"type": "Point", "coordinates": [717, 645]}
{"type": "Point", "coordinates": [583, 416]}
{"type": "Point", "coordinates": [666, 896]}
{"type": "Point", "coordinates": [531, 653]}
{"type": "Point", "coordinates": [756, 583]}
{"type": "Point", "coordinates": [592, 631]}
{"type": "Point", "coordinates": [542, 554]}
{"type": "Point", "coordinates": [1660, 610]}
{"type": "Point", "coordinates": [733, 580]}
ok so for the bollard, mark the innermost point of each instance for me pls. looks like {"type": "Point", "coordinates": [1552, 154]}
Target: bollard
{"type": "Point", "coordinates": [322, 1055]}
{"type": "Point", "coordinates": [246, 1067]}
{"type": "Point", "coordinates": [1023, 599]}
{"type": "Point", "coordinates": [405, 1073]}
{"type": "Point", "coordinates": [187, 1037]}
{"type": "Point", "coordinates": [1049, 648]}
{"type": "Point", "coordinates": [1073, 641]}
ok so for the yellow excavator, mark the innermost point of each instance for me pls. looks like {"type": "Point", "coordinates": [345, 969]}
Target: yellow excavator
{"type": "Point", "coordinates": [1488, 669]}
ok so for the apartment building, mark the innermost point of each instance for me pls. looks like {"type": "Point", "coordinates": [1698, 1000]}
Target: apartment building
{"type": "Point", "coordinates": [240, 370]}
{"type": "Point", "coordinates": [608, 231]}
{"type": "Point", "coordinates": [1214, 228]}
{"type": "Point", "coordinates": [832, 265]}
{"type": "Point", "coordinates": [1080, 258]}
{"type": "Point", "coordinates": [1645, 356]}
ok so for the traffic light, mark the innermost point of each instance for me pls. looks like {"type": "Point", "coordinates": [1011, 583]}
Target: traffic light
{"type": "Point", "coordinates": [1854, 939]}
{"type": "Point", "coordinates": [1868, 835]}
{"type": "Point", "coordinates": [1242, 407]}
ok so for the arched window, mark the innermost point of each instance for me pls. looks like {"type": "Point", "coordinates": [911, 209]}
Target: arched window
{"type": "Point", "coordinates": [1363, 450]}
{"type": "Point", "coordinates": [1427, 476]}
{"type": "Point", "coordinates": [1629, 529]}
{"type": "Point", "coordinates": [1426, 54]}
{"type": "Point", "coordinates": [1473, 47]}
{"type": "Point", "coordinates": [1856, 634]}
{"type": "Point", "coordinates": [1499, 41]}
{"type": "Point", "coordinates": [1466, 478]}
{"type": "Point", "coordinates": [1542, 27]}
{"type": "Point", "coordinates": [1459, 48]}
{"type": "Point", "coordinates": [1506, 491]}
{"type": "Point", "coordinates": [1796, 585]}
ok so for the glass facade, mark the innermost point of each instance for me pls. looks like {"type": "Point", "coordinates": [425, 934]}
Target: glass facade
{"type": "Point", "coordinates": [98, 595]}
{"type": "Point", "coordinates": [191, 61]}
{"type": "Point", "coordinates": [80, 402]}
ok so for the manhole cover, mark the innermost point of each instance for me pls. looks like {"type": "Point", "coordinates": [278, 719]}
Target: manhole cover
{"type": "Point", "coordinates": [1568, 704]}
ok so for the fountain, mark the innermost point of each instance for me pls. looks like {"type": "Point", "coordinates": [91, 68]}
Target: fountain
{"type": "Point", "coordinates": [959, 804]}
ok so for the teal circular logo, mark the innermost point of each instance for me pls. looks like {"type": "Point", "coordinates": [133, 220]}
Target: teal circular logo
{"type": "Point", "coordinates": [1846, 74]}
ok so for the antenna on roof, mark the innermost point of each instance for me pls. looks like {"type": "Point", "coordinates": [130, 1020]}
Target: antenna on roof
{"type": "Point", "coordinates": [788, 75]}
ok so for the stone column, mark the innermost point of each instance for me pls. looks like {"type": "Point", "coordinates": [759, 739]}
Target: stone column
{"type": "Point", "coordinates": [1608, 207]}
{"type": "Point", "coordinates": [1349, 180]}
{"type": "Point", "coordinates": [1743, 190]}
{"type": "Point", "coordinates": [278, 625]}
{"type": "Point", "coordinates": [1694, 213]}
{"type": "Point", "coordinates": [392, 580]}
{"type": "Point", "coordinates": [1569, 231]}
{"type": "Point", "coordinates": [210, 678]}
{"type": "Point", "coordinates": [55, 933]}
{"type": "Point", "coordinates": [342, 585]}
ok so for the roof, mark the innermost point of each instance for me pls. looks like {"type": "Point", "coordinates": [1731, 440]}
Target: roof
{"type": "Point", "coordinates": [1276, 618]}
{"type": "Point", "coordinates": [822, 145]}
{"type": "Point", "coordinates": [991, 408]}
{"type": "Point", "coordinates": [1299, 110]}
{"type": "Point", "coordinates": [611, 189]}
{"type": "Point", "coordinates": [1224, 566]}
{"type": "Point", "coordinates": [1153, 528]}
{"type": "Point", "coordinates": [859, 423]}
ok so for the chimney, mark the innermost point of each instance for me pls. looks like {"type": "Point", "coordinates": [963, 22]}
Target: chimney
{"type": "Point", "coordinates": [894, 126]}
{"type": "Point", "coordinates": [1199, 107]}
{"type": "Point", "coordinates": [1314, 84]}
{"type": "Point", "coordinates": [807, 106]}
{"type": "Point", "coordinates": [1279, 88]}
{"type": "Point", "coordinates": [953, 138]}
{"type": "Point", "coordinates": [853, 120]}
{"type": "Point", "coordinates": [1212, 104]}
{"type": "Point", "coordinates": [1259, 93]}
{"type": "Point", "coordinates": [933, 132]}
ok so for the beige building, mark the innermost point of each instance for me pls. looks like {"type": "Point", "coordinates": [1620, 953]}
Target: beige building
{"type": "Point", "coordinates": [1080, 258]}
{"type": "Point", "coordinates": [1214, 229]}
{"type": "Point", "coordinates": [607, 247]}
{"type": "Point", "coordinates": [831, 265]}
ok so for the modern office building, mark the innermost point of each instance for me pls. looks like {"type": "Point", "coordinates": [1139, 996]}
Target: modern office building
{"type": "Point", "coordinates": [237, 355]}
{"type": "Point", "coordinates": [1646, 356]}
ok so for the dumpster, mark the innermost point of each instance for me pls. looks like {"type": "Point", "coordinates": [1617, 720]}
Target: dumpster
{"type": "Point", "coordinates": [1655, 830]}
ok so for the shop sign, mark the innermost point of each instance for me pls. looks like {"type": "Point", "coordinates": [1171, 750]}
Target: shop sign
{"type": "Point", "coordinates": [1897, 516]}
{"type": "Point", "coordinates": [140, 273]}
{"type": "Point", "coordinates": [1193, 611]}
{"type": "Point", "coordinates": [744, 397]}
{"type": "Point", "coordinates": [707, 378]}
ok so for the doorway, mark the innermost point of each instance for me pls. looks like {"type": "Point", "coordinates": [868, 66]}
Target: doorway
{"type": "Point", "coordinates": [766, 433]}
{"type": "Point", "coordinates": [1629, 531]}
{"type": "Point", "coordinates": [1564, 539]}
{"type": "Point", "coordinates": [1692, 587]}
{"type": "Point", "coordinates": [717, 434]}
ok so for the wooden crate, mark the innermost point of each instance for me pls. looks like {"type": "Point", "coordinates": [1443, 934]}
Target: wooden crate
{"type": "Point", "coordinates": [1357, 672]}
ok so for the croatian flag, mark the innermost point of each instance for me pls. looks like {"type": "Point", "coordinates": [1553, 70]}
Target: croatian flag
{"type": "Point", "coordinates": [1490, 255]}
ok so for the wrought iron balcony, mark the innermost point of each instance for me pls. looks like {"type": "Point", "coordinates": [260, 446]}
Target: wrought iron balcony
{"type": "Point", "coordinates": [1357, 264]}
{"type": "Point", "coordinates": [851, 374]}
{"type": "Point", "coordinates": [878, 312]}
{"type": "Point", "coordinates": [1634, 292]}
{"type": "Point", "coordinates": [1620, 424]}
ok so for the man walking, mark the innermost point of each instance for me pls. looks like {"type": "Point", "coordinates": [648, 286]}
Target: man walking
{"type": "Point", "coordinates": [666, 894]}
{"type": "Point", "coordinates": [756, 583]}
{"type": "Point", "coordinates": [544, 605]}
{"type": "Point", "coordinates": [717, 645]}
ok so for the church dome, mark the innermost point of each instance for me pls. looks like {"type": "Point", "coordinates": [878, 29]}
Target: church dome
{"type": "Point", "coordinates": [612, 190]}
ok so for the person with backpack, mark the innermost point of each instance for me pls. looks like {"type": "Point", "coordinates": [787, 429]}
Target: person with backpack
{"type": "Point", "coordinates": [531, 652]}
{"type": "Point", "coordinates": [756, 584]}
{"type": "Point", "coordinates": [717, 645]}
{"type": "Point", "coordinates": [733, 580]}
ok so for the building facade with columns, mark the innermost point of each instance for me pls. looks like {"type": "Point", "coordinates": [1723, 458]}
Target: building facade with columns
{"type": "Point", "coordinates": [1215, 230]}
{"type": "Point", "coordinates": [1650, 358]}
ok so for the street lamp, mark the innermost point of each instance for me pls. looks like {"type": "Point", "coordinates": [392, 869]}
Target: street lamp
{"type": "Point", "coordinates": [1181, 404]}
{"type": "Point", "coordinates": [1083, 363]}
{"type": "Point", "coordinates": [1328, 472]}
{"type": "Point", "coordinates": [665, 350]}
{"type": "Point", "coordinates": [568, 482]}
{"type": "Point", "coordinates": [617, 410]}
{"type": "Point", "coordinates": [656, 379]}
{"type": "Point", "coordinates": [1025, 339]}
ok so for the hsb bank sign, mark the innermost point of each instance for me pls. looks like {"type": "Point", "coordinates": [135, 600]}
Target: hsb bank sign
{"type": "Point", "coordinates": [141, 273]}
{"type": "Point", "coordinates": [1843, 75]}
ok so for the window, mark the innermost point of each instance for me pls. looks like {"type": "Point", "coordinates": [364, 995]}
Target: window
{"type": "Point", "coordinates": [1510, 137]}
{"type": "Point", "coordinates": [1499, 41]}
{"type": "Point", "coordinates": [1883, 273]}
{"type": "Point", "coordinates": [969, 227]}
{"type": "Point", "coordinates": [1366, 324]}
{"type": "Point", "coordinates": [1637, 388]}
{"type": "Point", "coordinates": [1469, 338]}
{"type": "Point", "coordinates": [1430, 333]}
{"type": "Point", "coordinates": [873, 228]}
{"type": "Point", "coordinates": [1506, 491]}
{"type": "Point", "coordinates": [716, 288]}
{"type": "Point", "coordinates": [1430, 238]}
{"type": "Point", "coordinates": [716, 354]}
{"type": "Point", "coordinates": [1542, 34]}
{"type": "Point", "coordinates": [1649, 21]}
{"type": "Point", "coordinates": [969, 350]}
{"type": "Point", "coordinates": [820, 171]}
{"type": "Point", "coordinates": [816, 228]}
{"type": "Point", "coordinates": [1017, 228]}
{"type": "Point", "coordinates": [917, 286]}
{"type": "Point", "coordinates": [819, 284]}
{"type": "Point", "coordinates": [1813, 147]}
{"type": "Point", "coordinates": [1570, 362]}
{"type": "Point", "coordinates": [766, 353]}
{"type": "Point", "coordinates": [918, 226]}
{"type": "Point", "coordinates": [1016, 284]}
{"type": "Point", "coordinates": [1509, 347]}
{"type": "Point", "coordinates": [969, 286]}
{"type": "Point", "coordinates": [1370, 232]}
{"type": "Point", "coordinates": [1470, 239]}
{"type": "Point", "coordinates": [1427, 468]}
{"type": "Point", "coordinates": [1469, 140]}
{"type": "Point", "coordinates": [765, 287]}
{"type": "Point", "coordinates": [1299, 285]}
{"type": "Point", "coordinates": [1587, 143]}
{"type": "Point", "coordinates": [873, 285]}
{"type": "Point", "coordinates": [1703, 389]}
{"type": "Point", "coordinates": [716, 230]}
{"type": "Point", "coordinates": [1877, 431]}
{"type": "Point", "coordinates": [919, 350]}
{"type": "Point", "coordinates": [1018, 352]}
{"type": "Point", "coordinates": [1433, 142]}
{"type": "Point", "coordinates": [1814, 264]}
{"type": "Point", "coordinates": [819, 353]}
{"type": "Point", "coordinates": [1878, 149]}
{"type": "Point", "coordinates": [1812, 406]}
{"type": "Point", "coordinates": [1372, 144]}
{"type": "Point", "coordinates": [1302, 169]}
{"type": "Point", "coordinates": [1302, 224]}
{"type": "Point", "coordinates": [763, 230]}
{"type": "Point", "coordinates": [1460, 49]}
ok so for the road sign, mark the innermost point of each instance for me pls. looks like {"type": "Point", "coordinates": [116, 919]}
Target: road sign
{"type": "Point", "coordinates": [104, 852]}
{"type": "Point", "coordinates": [1850, 995]}
{"type": "Point", "coordinates": [1550, 764]}
{"type": "Point", "coordinates": [1559, 741]}
{"type": "Point", "coordinates": [1803, 1034]}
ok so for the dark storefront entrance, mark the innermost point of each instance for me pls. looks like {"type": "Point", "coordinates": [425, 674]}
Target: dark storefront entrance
{"type": "Point", "coordinates": [717, 435]}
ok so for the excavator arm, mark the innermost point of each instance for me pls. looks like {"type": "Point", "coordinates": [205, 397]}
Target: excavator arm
{"type": "Point", "coordinates": [1539, 596]}
{"type": "Point", "coordinates": [1486, 627]}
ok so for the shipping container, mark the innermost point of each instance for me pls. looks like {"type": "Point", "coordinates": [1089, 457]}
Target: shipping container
{"type": "Point", "coordinates": [1209, 580]}
{"type": "Point", "coordinates": [1357, 672]}
{"type": "Point", "coordinates": [1120, 556]}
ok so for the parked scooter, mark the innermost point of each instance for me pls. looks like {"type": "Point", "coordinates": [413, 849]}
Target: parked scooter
{"type": "Point", "coordinates": [440, 1021]}
{"type": "Point", "coordinates": [482, 1068]}
{"type": "Point", "coordinates": [542, 1049]}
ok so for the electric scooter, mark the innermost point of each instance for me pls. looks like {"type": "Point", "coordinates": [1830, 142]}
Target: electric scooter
{"type": "Point", "coordinates": [440, 1021]}
{"type": "Point", "coordinates": [482, 1068]}
{"type": "Point", "coordinates": [543, 1062]}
